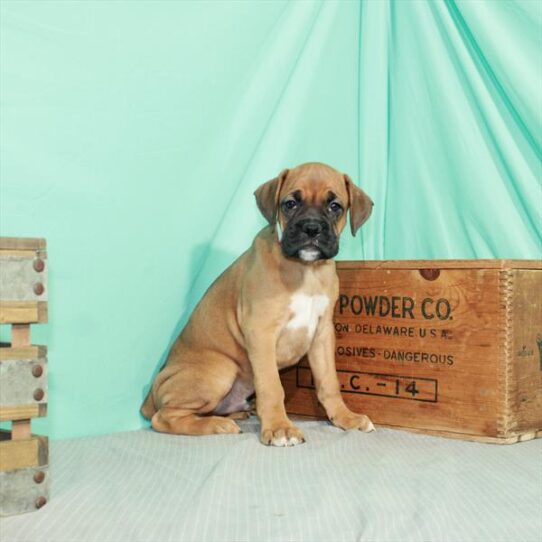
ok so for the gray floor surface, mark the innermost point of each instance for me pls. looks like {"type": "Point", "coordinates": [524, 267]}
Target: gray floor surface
{"type": "Point", "coordinates": [386, 486]}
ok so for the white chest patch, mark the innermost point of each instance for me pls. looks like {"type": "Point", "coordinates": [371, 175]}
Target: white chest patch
{"type": "Point", "coordinates": [307, 309]}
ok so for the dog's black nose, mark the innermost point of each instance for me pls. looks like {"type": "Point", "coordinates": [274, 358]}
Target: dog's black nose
{"type": "Point", "coordinates": [312, 227]}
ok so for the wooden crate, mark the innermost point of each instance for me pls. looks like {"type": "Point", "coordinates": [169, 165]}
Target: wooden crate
{"type": "Point", "coordinates": [450, 348]}
{"type": "Point", "coordinates": [24, 479]}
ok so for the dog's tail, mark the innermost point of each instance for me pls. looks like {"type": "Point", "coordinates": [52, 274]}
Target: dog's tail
{"type": "Point", "coordinates": [148, 408]}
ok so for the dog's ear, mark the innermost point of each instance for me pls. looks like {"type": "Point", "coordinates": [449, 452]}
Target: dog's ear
{"type": "Point", "coordinates": [360, 205]}
{"type": "Point", "coordinates": [267, 197]}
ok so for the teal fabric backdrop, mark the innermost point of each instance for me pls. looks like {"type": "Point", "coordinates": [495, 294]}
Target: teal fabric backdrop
{"type": "Point", "coordinates": [134, 133]}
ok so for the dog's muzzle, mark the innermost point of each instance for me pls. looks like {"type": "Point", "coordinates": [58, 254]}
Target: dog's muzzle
{"type": "Point", "coordinates": [309, 238]}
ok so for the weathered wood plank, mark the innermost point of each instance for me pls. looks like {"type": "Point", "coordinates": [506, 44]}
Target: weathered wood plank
{"type": "Point", "coordinates": [20, 429]}
{"type": "Point", "coordinates": [23, 312]}
{"type": "Point", "coordinates": [22, 243]}
{"type": "Point", "coordinates": [22, 412]}
{"type": "Point", "coordinates": [29, 254]}
{"type": "Point", "coordinates": [439, 264]}
{"type": "Point", "coordinates": [20, 335]}
{"type": "Point", "coordinates": [26, 352]}
{"type": "Point", "coordinates": [18, 454]}
{"type": "Point", "coordinates": [525, 350]}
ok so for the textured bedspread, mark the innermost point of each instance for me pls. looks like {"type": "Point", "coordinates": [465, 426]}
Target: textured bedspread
{"type": "Point", "coordinates": [383, 486]}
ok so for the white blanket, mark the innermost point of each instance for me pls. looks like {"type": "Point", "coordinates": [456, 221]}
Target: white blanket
{"type": "Point", "coordinates": [384, 486]}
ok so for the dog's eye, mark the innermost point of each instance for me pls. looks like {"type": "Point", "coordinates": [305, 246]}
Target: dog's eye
{"type": "Point", "coordinates": [335, 207]}
{"type": "Point", "coordinates": [289, 204]}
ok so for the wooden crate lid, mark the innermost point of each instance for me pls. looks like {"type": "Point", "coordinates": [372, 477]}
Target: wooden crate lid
{"type": "Point", "coordinates": [440, 264]}
{"type": "Point", "coordinates": [22, 243]}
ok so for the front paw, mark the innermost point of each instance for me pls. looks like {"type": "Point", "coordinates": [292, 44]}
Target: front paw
{"type": "Point", "coordinates": [282, 435]}
{"type": "Point", "coordinates": [350, 420]}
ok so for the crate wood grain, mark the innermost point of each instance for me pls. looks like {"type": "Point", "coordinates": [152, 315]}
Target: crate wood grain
{"type": "Point", "coordinates": [32, 312]}
{"type": "Point", "coordinates": [448, 347]}
{"type": "Point", "coordinates": [23, 280]}
{"type": "Point", "coordinates": [22, 243]}
{"type": "Point", "coordinates": [19, 454]}
{"type": "Point", "coordinates": [23, 382]}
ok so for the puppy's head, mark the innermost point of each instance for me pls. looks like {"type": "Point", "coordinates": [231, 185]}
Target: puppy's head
{"type": "Point", "coordinates": [310, 203]}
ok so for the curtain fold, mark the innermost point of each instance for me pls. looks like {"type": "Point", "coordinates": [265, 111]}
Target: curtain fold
{"type": "Point", "coordinates": [133, 135]}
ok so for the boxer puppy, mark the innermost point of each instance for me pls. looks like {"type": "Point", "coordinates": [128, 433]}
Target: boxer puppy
{"type": "Point", "coordinates": [271, 307]}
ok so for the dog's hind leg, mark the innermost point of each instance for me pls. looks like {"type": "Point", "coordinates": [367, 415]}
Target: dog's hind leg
{"type": "Point", "coordinates": [182, 422]}
{"type": "Point", "coordinates": [187, 393]}
{"type": "Point", "coordinates": [148, 409]}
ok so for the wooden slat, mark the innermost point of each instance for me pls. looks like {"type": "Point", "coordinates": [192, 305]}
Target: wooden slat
{"type": "Point", "coordinates": [26, 352]}
{"type": "Point", "coordinates": [472, 438]}
{"type": "Point", "coordinates": [22, 412]}
{"type": "Point", "coordinates": [23, 312]}
{"type": "Point", "coordinates": [20, 335]}
{"type": "Point", "coordinates": [22, 243]}
{"type": "Point", "coordinates": [20, 429]}
{"type": "Point", "coordinates": [30, 254]}
{"type": "Point", "coordinates": [525, 352]}
{"type": "Point", "coordinates": [440, 264]}
{"type": "Point", "coordinates": [19, 454]}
